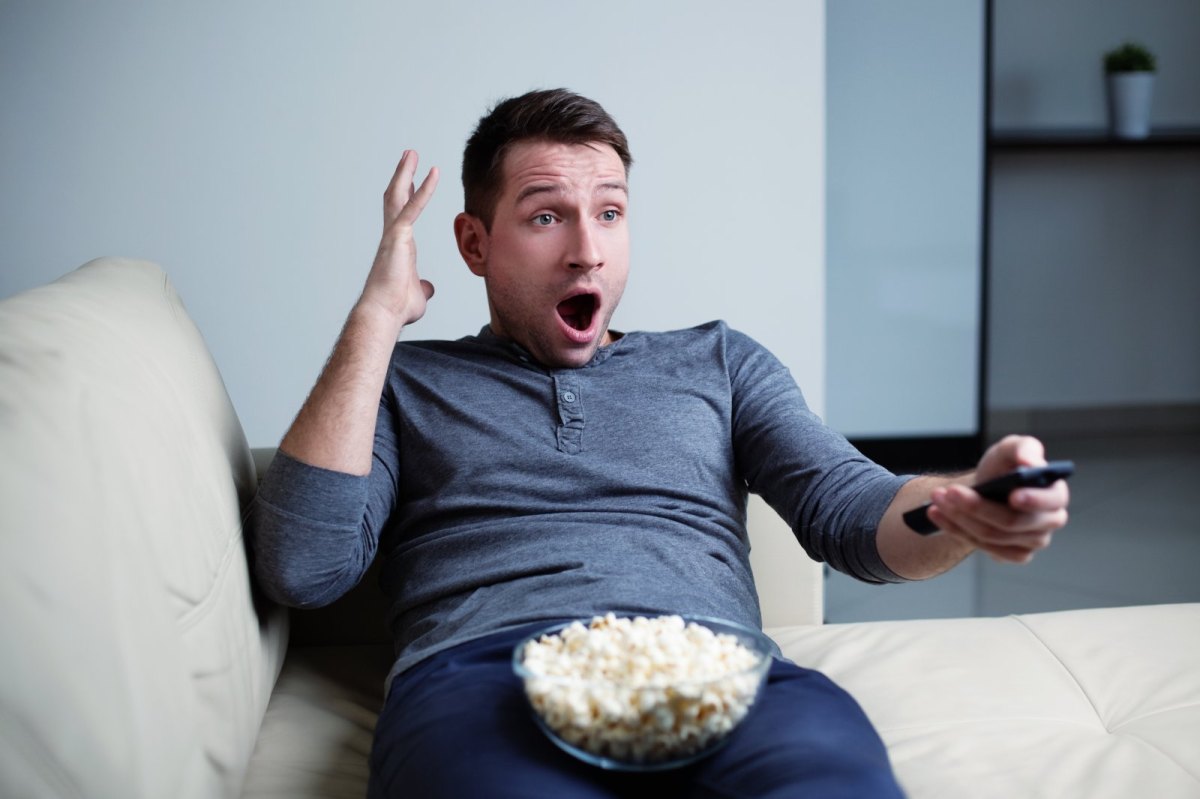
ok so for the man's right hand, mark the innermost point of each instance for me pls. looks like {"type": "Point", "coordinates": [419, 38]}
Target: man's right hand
{"type": "Point", "coordinates": [393, 285]}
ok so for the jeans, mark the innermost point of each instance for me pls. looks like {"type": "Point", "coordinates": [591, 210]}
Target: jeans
{"type": "Point", "coordinates": [458, 725]}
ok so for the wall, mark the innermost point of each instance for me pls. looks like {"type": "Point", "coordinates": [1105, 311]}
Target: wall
{"type": "Point", "coordinates": [1095, 274]}
{"type": "Point", "coordinates": [904, 192]}
{"type": "Point", "coordinates": [246, 147]}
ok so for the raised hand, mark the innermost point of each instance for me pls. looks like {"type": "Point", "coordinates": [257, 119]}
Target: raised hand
{"type": "Point", "coordinates": [393, 284]}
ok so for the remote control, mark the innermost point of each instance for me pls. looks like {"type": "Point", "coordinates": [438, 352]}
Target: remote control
{"type": "Point", "coordinates": [998, 489]}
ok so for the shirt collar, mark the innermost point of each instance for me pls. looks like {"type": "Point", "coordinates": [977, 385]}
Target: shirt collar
{"type": "Point", "coordinates": [486, 336]}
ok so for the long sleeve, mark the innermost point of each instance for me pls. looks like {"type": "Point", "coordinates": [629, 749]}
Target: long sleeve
{"type": "Point", "coordinates": [313, 532]}
{"type": "Point", "coordinates": [831, 495]}
{"type": "Point", "coordinates": [307, 534]}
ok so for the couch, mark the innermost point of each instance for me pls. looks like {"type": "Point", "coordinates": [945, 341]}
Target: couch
{"type": "Point", "coordinates": [138, 660]}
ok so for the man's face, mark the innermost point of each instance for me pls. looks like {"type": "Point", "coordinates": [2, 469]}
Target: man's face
{"type": "Point", "coordinates": [557, 256]}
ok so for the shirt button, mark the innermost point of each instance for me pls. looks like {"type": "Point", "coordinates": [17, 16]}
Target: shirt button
{"type": "Point", "coordinates": [568, 396]}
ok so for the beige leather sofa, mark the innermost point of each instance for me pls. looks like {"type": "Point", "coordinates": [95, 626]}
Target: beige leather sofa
{"type": "Point", "coordinates": [138, 662]}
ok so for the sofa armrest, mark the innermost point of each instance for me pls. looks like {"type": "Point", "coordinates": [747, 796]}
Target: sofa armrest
{"type": "Point", "coordinates": [137, 660]}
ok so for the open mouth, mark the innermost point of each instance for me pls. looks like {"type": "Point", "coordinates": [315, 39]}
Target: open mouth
{"type": "Point", "coordinates": [577, 311]}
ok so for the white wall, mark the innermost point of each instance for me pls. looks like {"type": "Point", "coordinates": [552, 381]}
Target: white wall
{"type": "Point", "coordinates": [1095, 273]}
{"type": "Point", "coordinates": [246, 147]}
{"type": "Point", "coordinates": [905, 133]}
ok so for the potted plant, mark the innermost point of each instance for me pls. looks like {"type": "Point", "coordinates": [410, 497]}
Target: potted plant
{"type": "Point", "coordinates": [1129, 72]}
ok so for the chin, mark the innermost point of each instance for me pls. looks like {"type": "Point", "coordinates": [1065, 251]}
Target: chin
{"type": "Point", "coordinates": [573, 359]}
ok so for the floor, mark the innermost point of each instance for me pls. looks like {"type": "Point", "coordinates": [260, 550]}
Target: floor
{"type": "Point", "coordinates": [1133, 539]}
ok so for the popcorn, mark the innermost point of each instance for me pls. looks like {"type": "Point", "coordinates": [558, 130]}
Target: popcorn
{"type": "Point", "coordinates": [642, 690]}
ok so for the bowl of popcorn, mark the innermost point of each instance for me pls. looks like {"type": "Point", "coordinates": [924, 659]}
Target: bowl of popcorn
{"type": "Point", "coordinates": [642, 694]}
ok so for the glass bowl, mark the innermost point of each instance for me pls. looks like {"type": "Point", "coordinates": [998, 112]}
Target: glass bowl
{"type": "Point", "coordinates": [673, 692]}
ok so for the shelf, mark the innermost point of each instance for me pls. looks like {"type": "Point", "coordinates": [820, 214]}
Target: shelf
{"type": "Point", "coordinates": [1091, 139]}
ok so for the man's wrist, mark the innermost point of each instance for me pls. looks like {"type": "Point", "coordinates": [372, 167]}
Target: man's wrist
{"type": "Point", "coordinates": [377, 318]}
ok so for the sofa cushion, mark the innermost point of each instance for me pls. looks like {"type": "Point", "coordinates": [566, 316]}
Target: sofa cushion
{"type": "Point", "coordinates": [135, 662]}
{"type": "Point", "coordinates": [316, 735]}
{"type": "Point", "coordinates": [1073, 705]}
{"type": "Point", "coordinates": [1086, 703]}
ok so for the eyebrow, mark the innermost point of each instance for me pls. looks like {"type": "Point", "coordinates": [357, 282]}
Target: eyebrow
{"type": "Point", "coordinates": [545, 188]}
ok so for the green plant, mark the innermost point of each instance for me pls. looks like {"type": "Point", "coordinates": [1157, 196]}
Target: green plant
{"type": "Point", "coordinates": [1129, 57]}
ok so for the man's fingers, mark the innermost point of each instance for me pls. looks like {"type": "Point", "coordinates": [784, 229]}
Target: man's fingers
{"type": "Point", "coordinates": [1009, 453]}
{"type": "Point", "coordinates": [1051, 498]}
{"type": "Point", "coordinates": [395, 197]}
{"type": "Point", "coordinates": [1023, 450]}
{"type": "Point", "coordinates": [1009, 552]}
{"type": "Point", "coordinates": [1016, 539]}
{"type": "Point", "coordinates": [1023, 511]}
{"type": "Point", "coordinates": [419, 198]}
{"type": "Point", "coordinates": [403, 201]}
{"type": "Point", "coordinates": [995, 522]}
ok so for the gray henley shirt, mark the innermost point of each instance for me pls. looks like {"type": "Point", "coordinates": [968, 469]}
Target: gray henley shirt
{"type": "Point", "coordinates": [504, 493]}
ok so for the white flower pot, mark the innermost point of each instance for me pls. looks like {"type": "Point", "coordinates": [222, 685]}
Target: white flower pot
{"type": "Point", "coordinates": [1129, 96]}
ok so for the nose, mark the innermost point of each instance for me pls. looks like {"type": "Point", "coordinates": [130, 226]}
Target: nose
{"type": "Point", "coordinates": [585, 252]}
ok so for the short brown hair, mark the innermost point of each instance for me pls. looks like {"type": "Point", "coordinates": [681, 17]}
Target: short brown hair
{"type": "Point", "coordinates": [554, 115]}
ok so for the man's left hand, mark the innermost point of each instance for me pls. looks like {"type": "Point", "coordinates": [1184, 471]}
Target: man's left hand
{"type": "Point", "coordinates": [1012, 532]}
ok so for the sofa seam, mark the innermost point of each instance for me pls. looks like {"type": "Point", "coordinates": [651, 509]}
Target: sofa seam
{"type": "Point", "coordinates": [989, 720]}
{"type": "Point", "coordinates": [45, 762]}
{"type": "Point", "coordinates": [1153, 713]}
{"type": "Point", "coordinates": [1167, 756]}
{"type": "Point", "coordinates": [1067, 669]}
{"type": "Point", "coordinates": [202, 608]}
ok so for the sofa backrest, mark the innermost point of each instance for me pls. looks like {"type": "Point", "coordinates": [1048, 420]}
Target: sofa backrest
{"type": "Point", "coordinates": [791, 585]}
{"type": "Point", "coordinates": [135, 662]}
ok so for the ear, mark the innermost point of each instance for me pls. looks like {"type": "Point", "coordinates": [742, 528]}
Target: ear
{"type": "Point", "coordinates": [472, 238]}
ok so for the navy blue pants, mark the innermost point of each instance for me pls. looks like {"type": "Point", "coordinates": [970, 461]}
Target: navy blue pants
{"type": "Point", "coordinates": [457, 726]}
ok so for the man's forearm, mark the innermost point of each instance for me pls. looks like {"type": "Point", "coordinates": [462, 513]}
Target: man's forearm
{"type": "Point", "coordinates": [335, 428]}
{"type": "Point", "coordinates": [914, 556]}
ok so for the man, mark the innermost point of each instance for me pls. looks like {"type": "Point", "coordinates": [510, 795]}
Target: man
{"type": "Point", "coordinates": [552, 468]}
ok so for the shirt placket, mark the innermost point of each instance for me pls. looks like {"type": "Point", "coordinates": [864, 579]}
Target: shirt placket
{"type": "Point", "coordinates": [569, 400]}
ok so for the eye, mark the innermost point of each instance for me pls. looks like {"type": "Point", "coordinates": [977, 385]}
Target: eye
{"type": "Point", "coordinates": [611, 215]}
{"type": "Point", "coordinates": [543, 220]}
